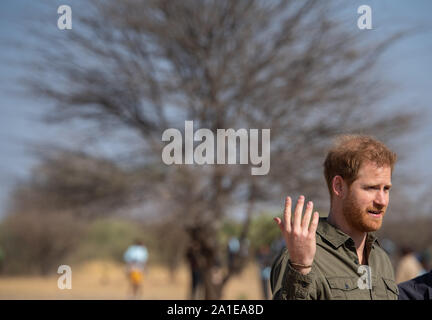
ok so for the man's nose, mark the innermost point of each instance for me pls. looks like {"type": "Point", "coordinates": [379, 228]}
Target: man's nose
{"type": "Point", "coordinates": [381, 199]}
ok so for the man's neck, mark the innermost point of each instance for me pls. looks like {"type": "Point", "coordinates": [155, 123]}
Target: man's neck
{"type": "Point", "coordinates": [358, 237]}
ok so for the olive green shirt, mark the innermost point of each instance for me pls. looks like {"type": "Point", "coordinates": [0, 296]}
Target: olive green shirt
{"type": "Point", "coordinates": [336, 272]}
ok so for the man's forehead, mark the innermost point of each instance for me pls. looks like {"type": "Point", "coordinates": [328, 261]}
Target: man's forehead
{"type": "Point", "coordinates": [372, 170]}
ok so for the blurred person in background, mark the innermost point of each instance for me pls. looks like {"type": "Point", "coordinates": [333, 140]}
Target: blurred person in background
{"type": "Point", "coordinates": [426, 260]}
{"type": "Point", "coordinates": [419, 288]}
{"type": "Point", "coordinates": [265, 258]}
{"type": "Point", "coordinates": [409, 266]}
{"type": "Point", "coordinates": [196, 284]}
{"type": "Point", "coordinates": [136, 257]}
{"type": "Point", "coordinates": [233, 251]}
{"type": "Point", "coordinates": [237, 250]}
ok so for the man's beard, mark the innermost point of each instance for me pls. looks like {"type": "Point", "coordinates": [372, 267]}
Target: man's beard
{"type": "Point", "coordinates": [360, 219]}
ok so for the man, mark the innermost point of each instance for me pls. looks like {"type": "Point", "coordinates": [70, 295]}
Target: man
{"type": "Point", "coordinates": [196, 284]}
{"type": "Point", "coordinates": [339, 257]}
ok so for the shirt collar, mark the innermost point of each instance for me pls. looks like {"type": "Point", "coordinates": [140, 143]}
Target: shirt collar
{"type": "Point", "coordinates": [336, 237]}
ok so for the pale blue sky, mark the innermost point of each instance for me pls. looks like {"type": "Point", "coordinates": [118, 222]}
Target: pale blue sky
{"type": "Point", "coordinates": [408, 65]}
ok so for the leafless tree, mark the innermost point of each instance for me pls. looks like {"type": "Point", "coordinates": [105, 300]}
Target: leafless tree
{"type": "Point", "coordinates": [291, 66]}
{"type": "Point", "coordinates": [67, 181]}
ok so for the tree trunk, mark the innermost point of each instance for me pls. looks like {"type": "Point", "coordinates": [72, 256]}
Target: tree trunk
{"type": "Point", "coordinates": [213, 285]}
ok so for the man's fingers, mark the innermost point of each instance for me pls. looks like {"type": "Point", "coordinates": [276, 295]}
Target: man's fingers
{"type": "Point", "coordinates": [287, 214]}
{"type": "Point", "coordinates": [314, 224]}
{"type": "Point", "coordinates": [299, 224]}
{"type": "Point", "coordinates": [307, 216]}
{"type": "Point", "coordinates": [298, 213]}
{"type": "Point", "coordinates": [279, 223]}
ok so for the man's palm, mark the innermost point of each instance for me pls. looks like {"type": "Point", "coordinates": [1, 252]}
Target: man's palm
{"type": "Point", "coordinates": [298, 234]}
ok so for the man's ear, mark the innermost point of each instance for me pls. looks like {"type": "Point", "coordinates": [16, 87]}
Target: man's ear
{"type": "Point", "coordinates": [338, 186]}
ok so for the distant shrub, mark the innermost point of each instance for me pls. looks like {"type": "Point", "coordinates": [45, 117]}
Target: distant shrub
{"type": "Point", "coordinates": [38, 242]}
{"type": "Point", "coordinates": [108, 239]}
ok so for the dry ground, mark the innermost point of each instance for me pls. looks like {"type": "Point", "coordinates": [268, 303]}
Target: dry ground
{"type": "Point", "coordinates": [106, 280]}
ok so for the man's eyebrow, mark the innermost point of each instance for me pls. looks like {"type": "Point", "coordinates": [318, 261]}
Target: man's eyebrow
{"type": "Point", "coordinates": [376, 185]}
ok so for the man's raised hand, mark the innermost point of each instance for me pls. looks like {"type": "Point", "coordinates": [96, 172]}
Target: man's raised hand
{"type": "Point", "coordinates": [299, 235]}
